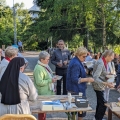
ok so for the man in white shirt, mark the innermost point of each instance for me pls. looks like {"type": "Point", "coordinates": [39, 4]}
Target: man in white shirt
{"type": "Point", "coordinates": [10, 53]}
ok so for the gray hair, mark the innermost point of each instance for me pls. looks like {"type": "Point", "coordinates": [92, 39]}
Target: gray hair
{"type": "Point", "coordinates": [43, 55]}
{"type": "Point", "coordinates": [61, 41]}
{"type": "Point", "coordinates": [11, 51]}
{"type": "Point", "coordinates": [107, 53]}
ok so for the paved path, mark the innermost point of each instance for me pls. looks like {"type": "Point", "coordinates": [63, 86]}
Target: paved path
{"type": "Point", "coordinates": [32, 58]}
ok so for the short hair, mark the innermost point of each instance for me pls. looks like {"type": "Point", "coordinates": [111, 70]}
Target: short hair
{"type": "Point", "coordinates": [107, 53]}
{"type": "Point", "coordinates": [61, 41]}
{"type": "Point", "coordinates": [80, 51]}
{"type": "Point", "coordinates": [11, 51]}
{"type": "Point", "coordinates": [43, 55]}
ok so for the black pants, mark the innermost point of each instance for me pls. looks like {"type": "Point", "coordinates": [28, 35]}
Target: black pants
{"type": "Point", "coordinates": [20, 49]}
{"type": "Point", "coordinates": [61, 72]}
{"type": "Point", "coordinates": [100, 108]}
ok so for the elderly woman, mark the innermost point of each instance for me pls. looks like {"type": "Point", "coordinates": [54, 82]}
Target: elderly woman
{"type": "Point", "coordinates": [100, 71]}
{"type": "Point", "coordinates": [16, 89]}
{"type": "Point", "coordinates": [76, 75]}
{"type": "Point", "coordinates": [1, 55]}
{"type": "Point", "coordinates": [43, 76]}
{"type": "Point", "coordinates": [10, 53]}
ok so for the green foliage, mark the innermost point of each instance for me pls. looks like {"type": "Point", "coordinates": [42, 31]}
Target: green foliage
{"type": "Point", "coordinates": [63, 19]}
{"type": "Point", "coordinates": [23, 22]}
{"type": "Point", "coordinates": [75, 21]}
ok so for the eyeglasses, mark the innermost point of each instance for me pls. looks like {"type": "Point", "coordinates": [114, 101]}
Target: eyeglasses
{"type": "Point", "coordinates": [84, 56]}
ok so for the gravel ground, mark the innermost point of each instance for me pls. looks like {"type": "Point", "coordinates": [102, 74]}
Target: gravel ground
{"type": "Point", "coordinates": [32, 59]}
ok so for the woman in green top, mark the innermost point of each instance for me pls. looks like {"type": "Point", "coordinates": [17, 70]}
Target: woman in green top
{"type": "Point", "coordinates": [43, 76]}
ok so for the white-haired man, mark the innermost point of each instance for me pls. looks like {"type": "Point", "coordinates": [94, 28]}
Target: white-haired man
{"type": "Point", "coordinates": [60, 58]}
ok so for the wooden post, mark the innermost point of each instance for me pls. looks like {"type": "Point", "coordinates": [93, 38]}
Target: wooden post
{"type": "Point", "coordinates": [109, 114]}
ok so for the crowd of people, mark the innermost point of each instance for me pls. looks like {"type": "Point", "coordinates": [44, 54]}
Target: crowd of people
{"type": "Point", "coordinates": [16, 88]}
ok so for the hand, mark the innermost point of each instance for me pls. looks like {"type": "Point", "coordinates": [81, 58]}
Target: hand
{"type": "Point", "coordinates": [65, 62]}
{"type": "Point", "coordinates": [59, 64]}
{"type": "Point", "coordinates": [54, 79]}
{"type": "Point", "coordinates": [90, 79]}
{"type": "Point", "coordinates": [110, 85]}
{"type": "Point", "coordinates": [118, 87]}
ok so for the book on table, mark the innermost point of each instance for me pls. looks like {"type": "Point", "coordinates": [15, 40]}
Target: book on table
{"type": "Point", "coordinates": [51, 105]}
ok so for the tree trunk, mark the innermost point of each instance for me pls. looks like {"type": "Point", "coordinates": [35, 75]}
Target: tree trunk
{"type": "Point", "coordinates": [103, 28]}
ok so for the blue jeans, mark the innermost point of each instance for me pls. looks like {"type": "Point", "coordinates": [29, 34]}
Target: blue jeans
{"type": "Point", "coordinates": [118, 80]}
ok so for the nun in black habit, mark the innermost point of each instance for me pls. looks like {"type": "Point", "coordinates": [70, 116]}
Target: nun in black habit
{"type": "Point", "coordinates": [16, 89]}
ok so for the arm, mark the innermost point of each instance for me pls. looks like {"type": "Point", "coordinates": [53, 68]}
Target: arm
{"type": "Point", "coordinates": [32, 90]}
{"type": "Point", "coordinates": [75, 73]}
{"type": "Point", "coordinates": [39, 78]}
{"type": "Point", "coordinates": [53, 58]}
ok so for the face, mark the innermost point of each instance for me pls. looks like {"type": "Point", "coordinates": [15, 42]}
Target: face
{"type": "Point", "coordinates": [110, 58]}
{"type": "Point", "coordinates": [0, 52]}
{"type": "Point", "coordinates": [61, 45]}
{"type": "Point", "coordinates": [46, 60]}
{"type": "Point", "coordinates": [82, 57]}
{"type": "Point", "coordinates": [22, 68]}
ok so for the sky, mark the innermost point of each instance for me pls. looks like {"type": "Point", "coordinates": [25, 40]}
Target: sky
{"type": "Point", "coordinates": [28, 3]}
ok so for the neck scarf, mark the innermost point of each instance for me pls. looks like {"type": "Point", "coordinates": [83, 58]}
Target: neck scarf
{"type": "Point", "coordinates": [105, 63]}
{"type": "Point", "coordinates": [48, 69]}
{"type": "Point", "coordinates": [9, 86]}
{"type": "Point", "coordinates": [7, 58]}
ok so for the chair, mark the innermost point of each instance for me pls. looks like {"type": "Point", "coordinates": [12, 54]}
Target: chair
{"type": "Point", "coordinates": [17, 117]}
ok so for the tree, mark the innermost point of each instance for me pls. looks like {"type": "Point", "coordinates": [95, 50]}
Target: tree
{"type": "Point", "coordinates": [2, 2]}
{"type": "Point", "coordinates": [93, 20]}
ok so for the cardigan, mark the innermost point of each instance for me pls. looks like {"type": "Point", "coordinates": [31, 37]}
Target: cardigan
{"type": "Point", "coordinates": [75, 71]}
{"type": "Point", "coordinates": [42, 80]}
{"type": "Point", "coordinates": [99, 75]}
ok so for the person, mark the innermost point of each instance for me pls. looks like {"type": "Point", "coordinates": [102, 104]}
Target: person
{"type": "Point", "coordinates": [16, 89]}
{"type": "Point", "coordinates": [100, 71]}
{"type": "Point", "coordinates": [118, 75]}
{"type": "Point", "coordinates": [1, 55]}
{"type": "Point", "coordinates": [20, 55]}
{"type": "Point", "coordinates": [89, 57]}
{"type": "Point", "coordinates": [20, 46]}
{"type": "Point", "coordinates": [43, 76]}
{"type": "Point", "coordinates": [76, 75]}
{"type": "Point", "coordinates": [95, 58]}
{"type": "Point", "coordinates": [60, 59]}
{"type": "Point", "coordinates": [10, 53]}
